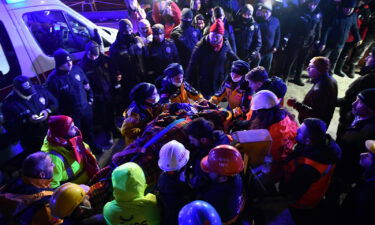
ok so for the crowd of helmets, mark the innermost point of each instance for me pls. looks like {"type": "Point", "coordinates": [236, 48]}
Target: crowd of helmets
{"type": "Point", "coordinates": [198, 87]}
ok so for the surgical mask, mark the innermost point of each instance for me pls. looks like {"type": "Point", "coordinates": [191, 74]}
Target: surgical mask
{"type": "Point", "coordinates": [177, 84]}
{"type": "Point", "coordinates": [236, 78]}
{"type": "Point", "coordinates": [155, 99]}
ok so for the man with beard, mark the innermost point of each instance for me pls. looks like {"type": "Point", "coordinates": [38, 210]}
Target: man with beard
{"type": "Point", "coordinates": [247, 35]}
{"type": "Point", "coordinates": [126, 55]}
{"type": "Point", "coordinates": [160, 53]}
{"type": "Point", "coordinates": [72, 158]}
{"type": "Point", "coordinates": [185, 36]}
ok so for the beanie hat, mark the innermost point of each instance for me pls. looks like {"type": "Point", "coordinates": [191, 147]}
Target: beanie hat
{"type": "Point", "coordinates": [187, 14]}
{"type": "Point", "coordinates": [123, 23]}
{"type": "Point", "coordinates": [23, 85]}
{"type": "Point", "coordinates": [321, 63]}
{"type": "Point", "coordinates": [92, 48]}
{"type": "Point", "coordinates": [218, 12]}
{"type": "Point", "coordinates": [218, 27]}
{"type": "Point", "coordinates": [173, 69]}
{"type": "Point", "coordinates": [240, 67]}
{"type": "Point", "coordinates": [158, 28]}
{"type": "Point", "coordinates": [59, 125]}
{"type": "Point", "coordinates": [276, 85]}
{"type": "Point", "coordinates": [61, 57]}
{"type": "Point", "coordinates": [368, 97]}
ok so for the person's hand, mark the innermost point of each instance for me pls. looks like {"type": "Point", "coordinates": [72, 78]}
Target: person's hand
{"type": "Point", "coordinates": [274, 50]}
{"type": "Point", "coordinates": [358, 43]}
{"type": "Point", "coordinates": [291, 102]}
{"type": "Point", "coordinates": [36, 118]}
{"type": "Point", "coordinates": [91, 101]}
{"type": "Point", "coordinates": [43, 114]}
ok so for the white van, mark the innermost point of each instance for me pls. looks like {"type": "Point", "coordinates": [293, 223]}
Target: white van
{"type": "Point", "coordinates": [31, 30]}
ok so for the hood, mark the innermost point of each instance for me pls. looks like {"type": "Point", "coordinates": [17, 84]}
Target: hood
{"type": "Point", "coordinates": [128, 182]}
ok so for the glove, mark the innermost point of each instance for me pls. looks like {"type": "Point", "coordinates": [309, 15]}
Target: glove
{"type": "Point", "coordinates": [291, 102]}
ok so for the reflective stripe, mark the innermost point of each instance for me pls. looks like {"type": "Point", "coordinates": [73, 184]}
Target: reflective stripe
{"type": "Point", "coordinates": [68, 168]}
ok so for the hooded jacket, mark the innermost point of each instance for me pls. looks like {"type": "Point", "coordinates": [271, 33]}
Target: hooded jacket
{"type": "Point", "coordinates": [130, 204]}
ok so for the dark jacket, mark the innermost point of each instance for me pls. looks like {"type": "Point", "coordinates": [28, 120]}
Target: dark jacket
{"type": "Point", "coordinates": [185, 40]}
{"type": "Point", "coordinates": [320, 101]}
{"type": "Point", "coordinates": [248, 38]}
{"type": "Point", "coordinates": [352, 143]}
{"type": "Point", "coordinates": [159, 56]}
{"type": "Point", "coordinates": [305, 175]}
{"type": "Point", "coordinates": [172, 195]}
{"type": "Point", "coordinates": [336, 28]}
{"type": "Point", "coordinates": [71, 89]}
{"type": "Point", "coordinates": [270, 31]}
{"type": "Point", "coordinates": [206, 68]}
{"type": "Point", "coordinates": [228, 34]}
{"type": "Point", "coordinates": [126, 55]}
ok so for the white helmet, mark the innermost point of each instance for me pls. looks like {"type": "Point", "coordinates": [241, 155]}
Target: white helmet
{"type": "Point", "coordinates": [173, 156]}
{"type": "Point", "coordinates": [264, 99]}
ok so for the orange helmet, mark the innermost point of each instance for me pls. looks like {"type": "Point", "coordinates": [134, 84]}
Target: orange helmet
{"type": "Point", "coordinates": [224, 160]}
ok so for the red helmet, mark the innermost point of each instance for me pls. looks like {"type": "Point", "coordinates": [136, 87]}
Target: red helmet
{"type": "Point", "coordinates": [224, 160]}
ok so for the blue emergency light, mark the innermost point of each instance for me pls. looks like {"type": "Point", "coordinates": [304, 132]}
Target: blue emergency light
{"type": "Point", "coordinates": [14, 1]}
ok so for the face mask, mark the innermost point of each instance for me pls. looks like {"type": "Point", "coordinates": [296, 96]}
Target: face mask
{"type": "Point", "coordinates": [177, 84]}
{"type": "Point", "coordinates": [155, 99]}
{"type": "Point", "coordinates": [236, 79]}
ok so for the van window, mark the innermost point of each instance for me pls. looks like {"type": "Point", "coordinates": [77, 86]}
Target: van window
{"type": "Point", "coordinates": [9, 65]}
{"type": "Point", "coordinates": [53, 29]}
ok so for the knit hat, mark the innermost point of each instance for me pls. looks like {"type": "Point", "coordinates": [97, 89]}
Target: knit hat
{"type": "Point", "coordinates": [92, 48]}
{"type": "Point", "coordinates": [276, 85]}
{"type": "Point", "coordinates": [123, 23]}
{"type": "Point", "coordinates": [158, 28]}
{"type": "Point", "coordinates": [321, 63]}
{"type": "Point", "coordinates": [218, 12]}
{"type": "Point", "coordinates": [61, 57]}
{"type": "Point", "coordinates": [59, 125]}
{"type": "Point", "coordinates": [240, 67]}
{"type": "Point", "coordinates": [187, 14]}
{"type": "Point", "coordinates": [368, 97]}
{"type": "Point", "coordinates": [23, 85]}
{"type": "Point", "coordinates": [218, 27]}
{"type": "Point", "coordinates": [173, 69]}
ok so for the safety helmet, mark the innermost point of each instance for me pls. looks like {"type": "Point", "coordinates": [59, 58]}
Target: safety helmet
{"type": "Point", "coordinates": [224, 160]}
{"type": "Point", "coordinates": [65, 199]}
{"type": "Point", "coordinates": [173, 156]}
{"type": "Point", "coordinates": [198, 213]}
{"type": "Point", "coordinates": [264, 99]}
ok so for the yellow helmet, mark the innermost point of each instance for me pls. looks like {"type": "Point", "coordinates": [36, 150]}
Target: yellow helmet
{"type": "Point", "coordinates": [65, 199]}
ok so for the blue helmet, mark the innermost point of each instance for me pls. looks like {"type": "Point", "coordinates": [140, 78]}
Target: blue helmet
{"type": "Point", "coordinates": [198, 213]}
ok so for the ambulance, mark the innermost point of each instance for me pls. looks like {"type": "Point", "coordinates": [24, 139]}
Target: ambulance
{"type": "Point", "coordinates": [31, 30]}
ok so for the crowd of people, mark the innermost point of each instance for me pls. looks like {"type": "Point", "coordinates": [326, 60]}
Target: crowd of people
{"type": "Point", "coordinates": [185, 78]}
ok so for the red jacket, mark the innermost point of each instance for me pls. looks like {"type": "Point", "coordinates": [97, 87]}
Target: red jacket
{"type": "Point", "coordinates": [168, 21]}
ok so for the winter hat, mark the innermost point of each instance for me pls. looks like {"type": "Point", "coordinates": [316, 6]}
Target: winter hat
{"type": "Point", "coordinates": [368, 97]}
{"type": "Point", "coordinates": [240, 67]}
{"type": "Point", "coordinates": [187, 14]}
{"type": "Point", "coordinates": [264, 100]}
{"type": "Point", "coordinates": [218, 27]}
{"type": "Point", "coordinates": [123, 23]}
{"type": "Point", "coordinates": [158, 28]}
{"type": "Point", "coordinates": [59, 125]}
{"type": "Point", "coordinates": [23, 85]}
{"type": "Point", "coordinates": [92, 48]}
{"type": "Point", "coordinates": [321, 63]}
{"type": "Point", "coordinates": [218, 12]}
{"type": "Point", "coordinates": [173, 69]}
{"type": "Point", "coordinates": [61, 57]}
{"type": "Point", "coordinates": [276, 85]}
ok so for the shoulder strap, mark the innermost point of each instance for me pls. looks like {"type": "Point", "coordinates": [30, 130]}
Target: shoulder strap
{"type": "Point", "coordinates": [68, 168]}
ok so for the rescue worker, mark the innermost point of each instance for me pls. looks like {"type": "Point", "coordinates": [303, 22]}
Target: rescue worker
{"type": "Point", "coordinates": [174, 89]}
{"type": "Point", "coordinates": [198, 212]}
{"type": "Point", "coordinates": [206, 68]}
{"type": "Point", "coordinates": [71, 87]}
{"type": "Point", "coordinates": [167, 13]}
{"type": "Point", "coordinates": [70, 203]}
{"type": "Point", "coordinates": [320, 100]}
{"type": "Point", "coordinates": [144, 31]}
{"type": "Point", "coordinates": [267, 114]}
{"type": "Point", "coordinates": [126, 55]}
{"type": "Point", "coordinates": [270, 31]}
{"type": "Point", "coordinates": [309, 170]}
{"type": "Point", "coordinates": [185, 36]}
{"type": "Point", "coordinates": [235, 88]}
{"type": "Point", "coordinates": [247, 35]}
{"type": "Point", "coordinates": [335, 30]}
{"type": "Point", "coordinates": [367, 80]}
{"type": "Point", "coordinates": [130, 204]}
{"type": "Point", "coordinates": [25, 200]}
{"type": "Point", "coordinates": [223, 190]}
{"type": "Point", "coordinates": [26, 110]}
{"type": "Point", "coordinates": [143, 109]}
{"type": "Point", "coordinates": [161, 53]}
{"type": "Point", "coordinates": [303, 32]}
{"type": "Point", "coordinates": [101, 78]}
{"type": "Point", "coordinates": [72, 158]}
{"type": "Point", "coordinates": [172, 189]}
